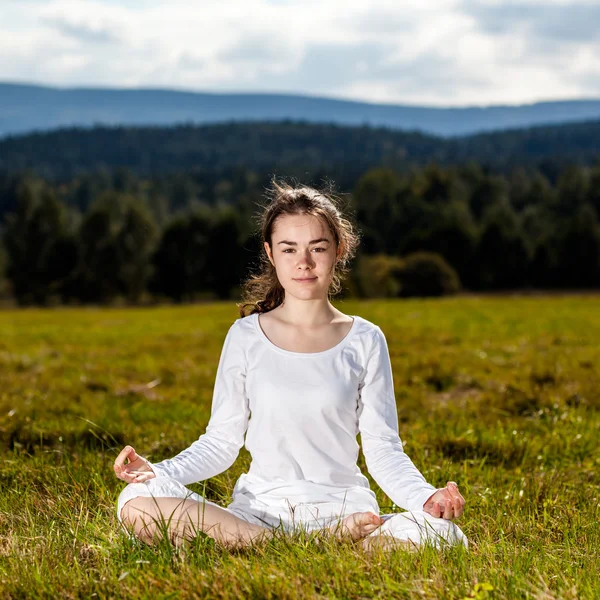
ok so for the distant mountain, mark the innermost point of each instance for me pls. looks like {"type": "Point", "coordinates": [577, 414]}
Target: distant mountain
{"type": "Point", "coordinates": [27, 108]}
{"type": "Point", "coordinates": [290, 147]}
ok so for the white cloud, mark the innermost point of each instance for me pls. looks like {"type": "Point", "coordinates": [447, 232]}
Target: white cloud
{"type": "Point", "coordinates": [448, 52]}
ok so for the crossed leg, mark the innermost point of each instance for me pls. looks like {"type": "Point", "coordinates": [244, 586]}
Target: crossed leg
{"type": "Point", "coordinates": [164, 507]}
{"type": "Point", "coordinates": [183, 519]}
{"type": "Point", "coordinates": [410, 530]}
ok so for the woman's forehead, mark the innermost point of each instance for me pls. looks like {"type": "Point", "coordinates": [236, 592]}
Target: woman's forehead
{"type": "Point", "coordinates": [300, 226]}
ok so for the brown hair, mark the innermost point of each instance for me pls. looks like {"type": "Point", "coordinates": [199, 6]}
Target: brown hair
{"type": "Point", "coordinates": [262, 292]}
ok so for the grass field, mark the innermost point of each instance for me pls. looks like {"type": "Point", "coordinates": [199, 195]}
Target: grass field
{"type": "Point", "coordinates": [501, 395]}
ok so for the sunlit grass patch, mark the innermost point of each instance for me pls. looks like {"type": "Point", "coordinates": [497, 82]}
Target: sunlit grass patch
{"type": "Point", "coordinates": [500, 395]}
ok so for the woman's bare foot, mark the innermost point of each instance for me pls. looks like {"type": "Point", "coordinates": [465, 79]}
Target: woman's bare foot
{"type": "Point", "coordinates": [357, 525]}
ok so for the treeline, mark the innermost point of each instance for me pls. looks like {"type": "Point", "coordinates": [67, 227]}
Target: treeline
{"type": "Point", "coordinates": [293, 148]}
{"type": "Point", "coordinates": [430, 230]}
{"type": "Point", "coordinates": [117, 250]}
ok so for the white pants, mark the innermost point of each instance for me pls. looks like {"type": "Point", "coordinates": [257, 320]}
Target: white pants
{"type": "Point", "coordinates": [417, 526]}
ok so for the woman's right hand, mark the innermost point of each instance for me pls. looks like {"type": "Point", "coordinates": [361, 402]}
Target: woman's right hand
{"type": "Point", "coordinates": [137, 470]}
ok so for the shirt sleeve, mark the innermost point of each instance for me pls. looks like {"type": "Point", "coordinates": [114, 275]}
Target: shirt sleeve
{"type": "Point", "coordinates": [386, 460]}
{"type": "Point", "coordinates": [216, 450]}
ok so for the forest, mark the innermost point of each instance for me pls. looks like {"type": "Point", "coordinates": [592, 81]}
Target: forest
{"type": "Point", "coordinates": [144, 214]}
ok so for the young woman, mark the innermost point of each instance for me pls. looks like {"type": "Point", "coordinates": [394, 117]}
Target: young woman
{"type": "Point", "coordinates": [300, 380]}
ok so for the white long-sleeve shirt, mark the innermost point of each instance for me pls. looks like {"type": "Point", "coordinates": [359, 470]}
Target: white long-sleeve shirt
{"type": "Point", "coordinates": [301, 414]}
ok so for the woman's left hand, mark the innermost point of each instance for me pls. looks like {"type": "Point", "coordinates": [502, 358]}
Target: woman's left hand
{"type": "Point", "coordinates": [446, 503]}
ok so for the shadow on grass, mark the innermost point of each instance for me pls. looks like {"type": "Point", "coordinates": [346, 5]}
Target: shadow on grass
{"type": "Point", "coordinates": [458, 450]}
{"type": "Point", "coordinates": [24, 437]}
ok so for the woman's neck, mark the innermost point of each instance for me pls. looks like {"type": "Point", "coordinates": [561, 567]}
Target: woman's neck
{"type": "Point", "coordinates": [306, 313]}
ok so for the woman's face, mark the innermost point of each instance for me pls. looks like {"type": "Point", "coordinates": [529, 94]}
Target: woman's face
{"type": "Point", "coordinates": [303, 253]}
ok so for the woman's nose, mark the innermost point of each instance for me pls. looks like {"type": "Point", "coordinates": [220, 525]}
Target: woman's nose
{"type": "Point", "coordinates": [304, 258]}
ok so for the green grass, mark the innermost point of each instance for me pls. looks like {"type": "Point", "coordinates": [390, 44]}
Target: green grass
{"type": "Point", "coordinates": [501, 395]}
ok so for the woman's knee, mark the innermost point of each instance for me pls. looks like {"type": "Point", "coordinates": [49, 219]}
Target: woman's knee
{"type": "Point", "coordinates": [141, 517]}
{"type": "Point", "coordinates": [157, 487]}
{"type": "Point", "coordinates": [128, 494]}
{"type": "Point", "coordinates": [131, 508]}
{"type": "Point", "coordinates": [421, 528]}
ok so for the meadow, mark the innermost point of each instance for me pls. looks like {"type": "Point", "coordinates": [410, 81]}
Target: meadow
{"type": "Point", "coordinates": [500, 394]}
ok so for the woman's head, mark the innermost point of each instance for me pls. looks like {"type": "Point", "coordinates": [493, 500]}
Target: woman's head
{"type": "Point", "coordinates": [306, 245]}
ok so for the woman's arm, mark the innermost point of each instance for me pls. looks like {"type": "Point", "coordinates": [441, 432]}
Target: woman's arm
{"type": "Point", "coordinates": [216, 450]}
{"type": "Point", "coordinates": [386, 461]}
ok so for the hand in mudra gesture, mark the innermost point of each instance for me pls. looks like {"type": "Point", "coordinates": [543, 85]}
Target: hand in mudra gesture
{"type": "Point", "coordinates": [137, 470]}
{"type": "Point", "coordinates": [446, 503]}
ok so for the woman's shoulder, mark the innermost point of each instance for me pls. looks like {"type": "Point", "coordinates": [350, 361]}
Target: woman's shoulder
{"type": "Point", "coordinates": [366, 327]}
{"type": "Point", "coordinates": [243, 325]}
{"type": "Point", "coordinates": [369, 334]}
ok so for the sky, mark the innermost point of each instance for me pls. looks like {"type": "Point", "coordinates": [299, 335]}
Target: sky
{"type": "Point", "coordinates": [418, 52]}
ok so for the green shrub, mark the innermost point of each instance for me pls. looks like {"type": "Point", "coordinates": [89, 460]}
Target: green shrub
{"type": "Point", "coordinates": [374, 276]}
{"type": "Point", "coordinates": [426, 274]}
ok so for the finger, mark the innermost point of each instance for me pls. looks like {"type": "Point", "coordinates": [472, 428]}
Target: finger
{"type": "Point", "coordinates": [453, 504]}
{"type": "Point", "coordinates": [128, 473]}
{"type": "Point", "coordinates": [458, 501]}
{"type": "Point", "coordinates": [376, 520]}
{"type": "Point", "coordinates": [130, 477]}
{"type": "Point", "coordinates": [125, 476]}
{"type": "Point", "coordinates": [448, 510]}
{"type": "Point", "coordinates": [458, 510]}
{"type": "Point", "coordinates": [453, 495]}
{"type": "Point", "coordinates": [457, 498]}
{"type": "Point", "coordinates": [452, 489]}
{"type": "Point", "coordinates": [120, 460]}
{"type": "Point", "coordinates": [437, 509]}
{"type": "Point", "coordinates": [459, 504]}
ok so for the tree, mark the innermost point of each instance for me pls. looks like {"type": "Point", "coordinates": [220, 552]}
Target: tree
{"type": "Point", "coordinates": [544, 263]}
{"type": "Point", "coordinates": [180, 261]}
{"type": "Point", "coordinates": [375, 200]}
{"type": "Point", "coordinates": [415, 221]}
{"type": "Point", "coordinates": [225, 261]}
{"type": "Point", "coordinates": [117, 238]}
{"type": "Point", "coordinates": [97, 278]}
{"type": "Point", "coordinates": [530, 190]}
{"type": "Point", "coordinates": [537, 223]}
{"type": "Point", "coordinates": [488, 191]}
{"type": "Point", "coordinates": [3, 270]}
{"type": "Point", "coordinates": [453, 235]}
{"type": "Point", "coordinates": [11, 188]}
{"type": "Point", "coordinates": [580, 250]}
{"type": "Point", "coordinates": [41, 250]}
{"type": "Point", "coordinates": [593, 197]}
{"type": "Point", "coordinates": [502, 253]}
{"type": "Point", "coordinates": [572, 191]}
{"type": "Point", "coordinates": [135, 242]}
{"type": "Point", "coordinates": [434, 185]}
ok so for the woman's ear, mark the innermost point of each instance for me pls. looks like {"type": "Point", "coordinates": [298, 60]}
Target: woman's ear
{"type": "Point", "coordinates": [268, 251]}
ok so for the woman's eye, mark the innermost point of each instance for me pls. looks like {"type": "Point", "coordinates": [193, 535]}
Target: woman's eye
{"type": "Point", "coordinates": [287, 250]}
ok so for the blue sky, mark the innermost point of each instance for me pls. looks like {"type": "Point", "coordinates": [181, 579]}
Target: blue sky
{"type": "Point", "coordinates": [433, 52]}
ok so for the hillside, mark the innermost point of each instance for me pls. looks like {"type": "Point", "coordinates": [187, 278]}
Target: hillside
{"type": "Point", "coordinates": [289, 146]}
{"type": "Point", "coordinates": [25, 108]}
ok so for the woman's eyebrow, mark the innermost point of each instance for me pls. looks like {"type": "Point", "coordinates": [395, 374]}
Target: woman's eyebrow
{"type": "Point", "coordinates": [296, 243]}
